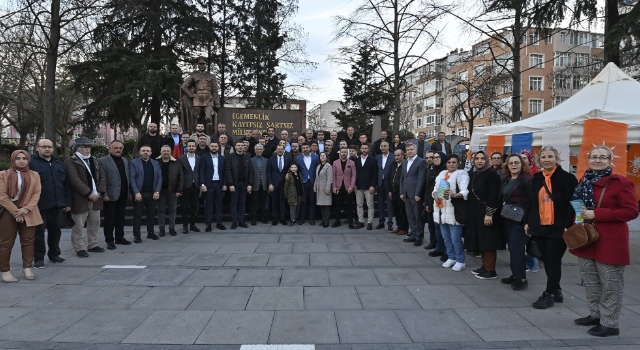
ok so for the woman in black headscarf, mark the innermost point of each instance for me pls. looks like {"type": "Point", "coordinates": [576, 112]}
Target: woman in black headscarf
{"type": "Point", "coordinates": [483, 202]}
{"type": "Point", "coordinates": [439, 165]}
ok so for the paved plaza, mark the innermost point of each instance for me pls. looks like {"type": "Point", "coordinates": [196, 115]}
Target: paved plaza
{"type": "Point", "coordinates": [328, 288]}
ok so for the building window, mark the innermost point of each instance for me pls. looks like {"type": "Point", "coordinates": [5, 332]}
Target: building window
{"type": "Point", "coordinates": [463, 131]}
{"type": "Point", "coordinates": [506, 87]}
{"type": "Point", "coordinates": [563, 37]}
{"type": "Point", "coordinates": [536, 84]}
{"type": "Point", "coordinates": [558, 100]}
{"type": "Point", "coordinates": [430, 103]}
{"type": "Point", "coordinates": [561, 59]}
{"type": "Point", "coordinates": [535, 105]}
{"type": "Point", "coordinates": [479, 70]}
{"type": "Point", "coordinates": [580, 81]}
{"type": "Point", "coordinates": [536, 60]}
{"type": "Point", "coordinates": [439, 102]}
{"type": "Point", "coordinates": [562, 82]}
{"type": "Point", "coordinates": [419, 122]}
{"type": "Point", "coordinates": [580, 59]}
{"type": "Point", "coordinates": [463, 75]}
{"type": "Point", "coordinates": [438, 85]}
{"type": "Point", "coordinates": [534, 38]}
{"type": "Point", "coordinates": [550, 39]}
{"type": "Point", "coordinates": [482, 49]}
{"type": "Point", "coordinates": [418, 108]}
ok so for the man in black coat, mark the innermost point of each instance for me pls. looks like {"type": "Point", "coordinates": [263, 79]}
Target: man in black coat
{"type": "Point", "coordinates": [366, 177]}
{"type": "Point", "coordinates": [153, 139]}
{"type": "Point", "coordinates": [272, 143]}
{"type": "Point", "coordinates": [441, 145]}
{"type": "Point", "coordinates": [276, 169]}
{"type": "Point", "coordinates": [238, 175]}
{"type": "Point", "coordinates": [191, 188]}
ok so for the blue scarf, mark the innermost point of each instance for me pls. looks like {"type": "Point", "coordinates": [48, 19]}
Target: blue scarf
{"type": "Point", "coordinates": [584, 190]}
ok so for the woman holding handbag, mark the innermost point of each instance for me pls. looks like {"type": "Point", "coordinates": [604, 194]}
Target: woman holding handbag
{"type": "Point", "coordinates": [514, 194]}
{"type": "Point", "coordinates": [609, 200]}
{"type": "Point", "coordinates": [550, 215]}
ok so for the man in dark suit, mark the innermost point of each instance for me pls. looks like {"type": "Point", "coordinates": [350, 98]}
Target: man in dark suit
{"type": "Point", "coordinates": [422, 145]}
{"type": "Point", "coordinates": [384, 160]}
{"type": "Point", "coordinates": [146, 184]}
{"type": "Point", "coordinates": [212, 182]}
{"type": "Point", "coordinates": [411, 190]}
{"type": "Point", "coordinates": [239, 177]}
{"type": "Point", "coordinates": [276, 170]}
{"type": "Point", "coordinates": [116, 169]}
{"type": "Point", "coordinates": [441, 145]}
{"type": "Point", "coordinates": [366, 176]}
{"type": "Point", "coordinates": [307, 163]}
{"type": "Point", "coordinates": [191, 192]}
{"type": "Point", "coordinates": [376, 145]}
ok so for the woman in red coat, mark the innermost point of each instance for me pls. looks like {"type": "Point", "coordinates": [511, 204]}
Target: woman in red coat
{"type": "Point", "coordinates": [602, 263]}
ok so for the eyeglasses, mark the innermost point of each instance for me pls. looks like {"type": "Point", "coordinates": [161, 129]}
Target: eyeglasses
{"type": "Point", "coordinates": [47, 147]}
{"type": "Point", "coordinates": [496, 158]}
{"type": "Point", "coordinates": [437, 157]}
{"type": "Point", "coordinates": [598, 158]}
{"type": "Point", "coordinates": [515, 163]}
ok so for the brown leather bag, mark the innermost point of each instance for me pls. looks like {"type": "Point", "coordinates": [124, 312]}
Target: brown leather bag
{"type": "Point", "coordinates": [584, 234]}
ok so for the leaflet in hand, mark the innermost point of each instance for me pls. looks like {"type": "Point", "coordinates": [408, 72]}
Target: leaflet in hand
{"type": "Point", "coordinates": [578, 207]}
{"type": "Point", "coordinates": [442, 187]}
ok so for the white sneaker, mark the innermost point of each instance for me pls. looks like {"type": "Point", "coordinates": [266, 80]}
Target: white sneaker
{"type": "Point", "coordinates": [458, 267]}
{"type": "Point", "coordinates": [449, 263]}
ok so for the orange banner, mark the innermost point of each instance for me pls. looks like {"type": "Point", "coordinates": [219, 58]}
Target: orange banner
{"type": "Point", "coordinates": [495, 143]}
{"type": "Point", "coordinates": [601, 132]}
{"type": "Point", "coordinates": [633, 167]}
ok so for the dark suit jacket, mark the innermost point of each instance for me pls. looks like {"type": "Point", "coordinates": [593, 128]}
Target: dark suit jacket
{"type": "Point", "coordinates": [231, 167]}
{"type": "Point", "coordinates": [275, 177]}
{"type": "Point", "coordinates": [206, 170]}
{"type": "Point", "coordinates": [383, 174]}
{"type": "Point", "coordinates": [436, 146]}
{"type": "Point", "coordinates": [366, 176]}
{"type": "Point", "coordinates": [190, 176]}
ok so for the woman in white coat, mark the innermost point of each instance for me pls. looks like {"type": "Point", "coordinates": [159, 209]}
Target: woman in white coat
{"type": "Point", "coordinates": [444, 211]}
{"type": "Point", "coordinates": [322, 188]}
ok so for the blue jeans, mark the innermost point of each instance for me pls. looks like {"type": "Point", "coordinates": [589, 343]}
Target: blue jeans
{"type": "Point", "coordinates": [452, 235]}
{"type": "Point", "coordinates": [517, 246]}
{"type": "Point", "coordinates": [531, 262]}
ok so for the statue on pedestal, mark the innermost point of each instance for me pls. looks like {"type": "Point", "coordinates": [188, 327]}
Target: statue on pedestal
{"type": "Point", "coordinates": [199, 99]}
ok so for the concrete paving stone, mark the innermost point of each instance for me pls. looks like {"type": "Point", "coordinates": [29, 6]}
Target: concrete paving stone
{"type": "Point", "coordinates": [247, 259]}
{"type": "Point", "coordinates": [284, 229]}
{"type": "Point", "coordinates": [511, 334]}
{"type": "Point", "coordinates": [104, 326]}
{"type": "Point", "coordinates": [328, 238]}
{"type": "Point", "coordinates": [166, 247]}
{"type": "Point", "coordinates": [210, 278]}
{"type": "Point", "coordinates": [405, 346]}
{"type": "Point", "coordinates": [440, 297]}
{"type": "Point", "coordinates": [307, 247]}
{"type": "Point", "coordinates": [262, 238]}
{"type": "Point", "coordinates": [360, 237]}
{"type": "Point", "coordinates": [203, 347]}
{"type": "Point", "coordinates": [386, 298]}
{"type": "Point", "coordinates": [274, 248]}
{"type": "Point", "coordinates": [9, 314]}
{"type": "Point", "coordinates": [410, 259]}
{"type": "Point", "coordinates": [490, 295]}
{"type": "Point", "coordinates": [288, 260]}
{"type": "Point", "coordinates": [346, 248]}
{"type": "Point", "coordinates": [378, 247]}
{"type": "Point", "coordinates": [399, 277]}
{"type": "Point", "coordinates": [109, 257]}
{"type": "Point", "coordinates": [206, 259]}
{"type": "Point", "coordinates": [230, 237]}
{"type": "Point", "coordinates": [48, 323]}
{"type": "Point", "coordinates": [438, 275]}
{"type": "Point", "coordinates": [546, 343]}
{"type": "Point", "coordinates": [595, 341]}
{"type": "Point", "coordinates": [167, 298]}
{"type": "Point", "coordinates": [72, 346]}
{"type": "Point", "coordinates": [370, 327]}
{"type": "Point", "coordinates": [111, 297]}
{"type": "Point", "coordinates": [221, 298]}
{"type": "Point", "coordinates": [59, 297]}
{"type": "Point", "coordinates": [447, 346]}
{"type": "Point", "coordinates": [331, 298]}
{"type": "Point", "coordinates": [296, 238]}
{"type": "Point", "coordinates": [163, 277]}
{"type": "Point", "coordinates": [147, 347]}
{"type": "Point", "coordinates": [69, 275]}
{"type": "Point", "coordinates": [333, 347]}
{"type": "Point", "coordinates": [25, 345]}
{"type": "Point", "coordinates": [304, 327]}
{"type": "Point", "coordinates": [388, 237]}
{"type": "Point", "coordinates": [196, 238]}
{"type": "Point", "coordinates": [408, 247]}
{"type": "Point", "coordinates": [231, 248]}
{"type": "Point", "coordinates": [121, 277]}
{"type": "Point", "coordinates": [257, 278]}
{"type": "Point", "coordinates": [352, 277]}
{"type": "Point", "coordinates": [11, 294]}
{"type": "Point", "coordinates": [442, 326]}
{"type": "Point", "coordinates": [556, 322]}
{"type": "Point", "coordinates": [208, 248]}
{"type": "Point", "coordinates": [166, 259]}
{"type": "Point", "coordinates": [110, 347]}
{"type": "Point", "coordinates": [170, 327]}
{"type": "Point", "coordinates": [486, 318]}
{"type": "Point", "coordinates": [615, 347]}
{"type": "Point", "coordinates": [304, 278]}
{"type": "Point", "coordinates": [330, 259]}
{"type": "Point", "coordinates": [370, 259]}
{"type": "Point", "coordinates": [237, 327]}
{"type": "Point", "coordinates": [276, 298]}
{"type": "Point", "coordinates": [370, 347]}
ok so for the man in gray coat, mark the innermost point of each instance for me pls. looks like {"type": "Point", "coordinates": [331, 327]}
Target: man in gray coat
{"type": "Point", "coordinates": [116, 169]}
{"type": "Point", "coordinates": [411, 188]}
{"type": "Point", "coordinates": [259, 186]}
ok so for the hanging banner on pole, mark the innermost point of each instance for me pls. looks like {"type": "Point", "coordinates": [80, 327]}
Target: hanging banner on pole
{"type": "Point", "coordinates": [521, 142]}
{"type": "Point", "coordinates": [633, 167]}
{"type": "Point", "coordinates": [601, 132]}
{"type": "Point", "coordinates": [559, 138]}
{"type": "Point", "coordinates": [495, 144]}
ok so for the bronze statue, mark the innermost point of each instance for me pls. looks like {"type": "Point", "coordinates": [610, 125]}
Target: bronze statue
{"type": "Point", "coordinates": [199, 98]}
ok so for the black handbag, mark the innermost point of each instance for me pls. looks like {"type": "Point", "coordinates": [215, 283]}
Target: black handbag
{"type": "Point", "coordinates": [460, 210]}
{"type": "Point", "coordinates": [512, 212]}
{"type": "Point", "coordinates": [532, 249]}
{"type": "Point", "coordinates": [66, 221]}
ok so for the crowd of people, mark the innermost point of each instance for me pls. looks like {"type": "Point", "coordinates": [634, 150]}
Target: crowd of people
{"type": "Point", "coordinates": [502, 201]}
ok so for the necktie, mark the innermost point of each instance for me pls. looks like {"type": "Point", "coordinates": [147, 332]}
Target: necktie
{"type": "Point", "coordinates": [280, 163]}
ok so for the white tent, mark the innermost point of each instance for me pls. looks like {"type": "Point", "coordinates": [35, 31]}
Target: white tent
{"type": "Point", "coordinates": [611, 95]}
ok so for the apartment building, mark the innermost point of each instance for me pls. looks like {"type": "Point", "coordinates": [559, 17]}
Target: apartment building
{"type": "Point", "coordinates": [321, 117]}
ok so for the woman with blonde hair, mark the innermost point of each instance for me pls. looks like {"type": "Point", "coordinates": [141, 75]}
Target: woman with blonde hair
{"type": "Point", "coordinates": [19, 195]}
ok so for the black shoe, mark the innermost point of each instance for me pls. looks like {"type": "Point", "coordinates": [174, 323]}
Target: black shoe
{"type": "Point", "coordinates": [265, 221]}
{"type": "Point", "coordinates": [603, 331]}
{"type": "Point", "coordinates": [300, 222]}
{"type": "Point", "coordinates": [409, 240]}
{"type": "Point", "coordinates": [220, 227]}
{"type": "Point", "coordinates": [111, 246]}
{"type": "Point", "coordinates": [587, 321]}
{"type": "Point", "coordinates": [284, 222]}
{"type": "Point", "coordinates": [417, 243]}
{"type": "Point", "coordinates": [508, 280]}
{"type": "Point", "coordinates": [82, 254]}
{"type": "Point", "coordinates": [434, 253]}
{"type": "Point", "coordinates": [172, 231]}
{"type": "Point", "coordinates": [96, 249]}
{"type": "Point", "coordinates": [379, 226]}
{"type": "Point", "coordinates": [161, 233]}
{"type": "Point", "coordinates": [137, 240]}
{"type": "Point", "coordinates": [487, 275]}
{"type": "Point", "coordinates": [471, 252]}
{"type": "Point", "coordinates": [359, 225]}
{"type": "Point", "coordinates": [336, 224]}
{"type": "Point", "coordinates": [369, 227]}
{"type": "Point", "coordinates": [57, 260]}
{"type": "Point", "coordinates": [122, 241]}
{"type": "Point", "coordinates": [430, 246]}
{"type": "Point", "coordinates": [38, 264]}
{"type": "Point", "coordinates": [389, 227]}
{"type": "Point", "coordinates": [243, 224]}
{"type": "Point", "coordinates": [325, 225]}
{"type": "Point", "coordinates": [152, 236]}
{"type": "Point", "coordinates": [194, 228]}
{"type": "Point", "coordinates": [185, 230]}
{"type": "Point", "coordinates": [544, 302]}
{"type": "Point", "coordinates": [478, 271]}
{"type": "Point", "coordinates": [520, 285]}
{"type": "Point", "coordinates": [351, 227]}
{"type": "Point", "coordinates": [312, 222]}
{"type": "Point", "coordinates": [274, 222]}
{"type": "Point", "coordinates": [207, 229]}
{"type": "Point", "coordinates": [292, 223]}
{"type": "Point", "coordinates": [234, 225]}
{"type": "Point", "coordinates": [254, 223]}
{"type": "Point", "coordinates": [444, 257]}
{"type": "Point", "coordinates": [558, 297]}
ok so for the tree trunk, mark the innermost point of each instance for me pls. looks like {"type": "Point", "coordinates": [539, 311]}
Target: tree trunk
{"type": "Point", "coordinates": [516, 113]}
{"type": "Point", "coordinates": [396, 71]}
{"type": "Point", "coordinates": [612, 17]}
{"type": "Point", "coordinates": [49, 102]}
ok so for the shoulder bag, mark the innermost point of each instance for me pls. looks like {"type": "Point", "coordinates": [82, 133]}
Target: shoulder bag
{"type": "Point", "coordinates": [459, 208]}
{"type": "Point", "coordinates": [511, 211]}
{"type": "Point", "coordinates": [584, 234]}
